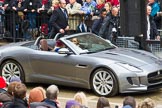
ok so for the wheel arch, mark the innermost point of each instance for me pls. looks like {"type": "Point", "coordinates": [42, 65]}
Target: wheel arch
{"type": "Point", "coordinates": [11, 59]}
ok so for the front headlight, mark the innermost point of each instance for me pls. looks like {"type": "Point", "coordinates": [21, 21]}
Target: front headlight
{"type": "Point", "coordinates": [130, 67]}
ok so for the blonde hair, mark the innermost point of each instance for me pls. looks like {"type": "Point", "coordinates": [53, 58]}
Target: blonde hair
{"type": "Point", "coordinates": [147, 103]}
{"type": "Point", "coordinates": [100, 1]}
{"type": "Point", "coordinates": [55, 2]}
{"type": "Point", "coordinates": [81, 98]}
{"type": "Point", "coordinates": [109, 4]}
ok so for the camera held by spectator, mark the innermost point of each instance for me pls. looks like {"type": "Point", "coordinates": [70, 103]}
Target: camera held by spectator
{"type": "Point", "coordinates": [114, 32]}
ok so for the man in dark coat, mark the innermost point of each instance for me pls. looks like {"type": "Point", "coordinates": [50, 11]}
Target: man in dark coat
{"type": "Point", "coordinates": [150, 32]}
{"type": "Point", "coordinates": [98, 22]}
{"type": "Point", "coordinates": [59, 19]}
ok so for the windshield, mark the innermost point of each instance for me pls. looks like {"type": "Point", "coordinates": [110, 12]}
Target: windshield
{"type": "Point", "coordinates": [91, 43]}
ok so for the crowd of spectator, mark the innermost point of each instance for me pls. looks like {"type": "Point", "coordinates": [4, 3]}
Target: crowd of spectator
{"type": "Point", "coordinates": [27, 18]}
{"type": "Point", "coordinates": [24, 18]}
{"type": "Point", "coordinates": [14, 95]}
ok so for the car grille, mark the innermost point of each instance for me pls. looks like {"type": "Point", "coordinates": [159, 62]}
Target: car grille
{"type": "Point", "coordinates": [155, 77]}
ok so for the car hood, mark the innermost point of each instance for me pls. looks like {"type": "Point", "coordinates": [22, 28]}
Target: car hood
{"type": "Point", "coordinates": [130, 56]}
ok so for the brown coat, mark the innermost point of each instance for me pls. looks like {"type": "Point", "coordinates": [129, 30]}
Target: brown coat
{"type": "Point", "coordinates": [74, 15]}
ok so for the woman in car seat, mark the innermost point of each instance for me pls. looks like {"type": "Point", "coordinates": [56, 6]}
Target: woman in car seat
{"type": "Point", "coordinates": [58, 46]}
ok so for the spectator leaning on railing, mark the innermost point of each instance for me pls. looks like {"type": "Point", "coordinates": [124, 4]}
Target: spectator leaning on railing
{"type": "Point", "coordinates": [31, 18]}
{"type": "Point", "coordinates": [18, 6]}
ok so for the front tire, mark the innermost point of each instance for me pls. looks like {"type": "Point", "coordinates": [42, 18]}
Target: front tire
{"type": "Point", "coordinates": [104, 83]}
{"type": "Point", "coordinates": [11, 68]}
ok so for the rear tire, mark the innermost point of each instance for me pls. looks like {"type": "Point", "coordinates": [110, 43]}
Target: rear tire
{"type": "Point", "coordinates": [11, 68]}
{"type": "Point", "coordinates": [104, 83]}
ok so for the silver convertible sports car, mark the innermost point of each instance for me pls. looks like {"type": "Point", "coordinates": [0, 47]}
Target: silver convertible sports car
{"type": "Point", "coordinates": [92, 63]}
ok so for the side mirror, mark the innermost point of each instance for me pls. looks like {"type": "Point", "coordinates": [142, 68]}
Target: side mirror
{"type": "Point", "coordinates": [64, 51]}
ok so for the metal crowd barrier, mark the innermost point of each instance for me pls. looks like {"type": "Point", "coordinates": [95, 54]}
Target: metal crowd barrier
{"type": "Point", "coordinates": [128, 42]}
{"type": "Point", "coordinates": [11, 26]}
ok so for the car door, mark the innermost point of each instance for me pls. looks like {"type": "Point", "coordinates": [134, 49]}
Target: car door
{"type": "Point", "coordinates": [53, 66]}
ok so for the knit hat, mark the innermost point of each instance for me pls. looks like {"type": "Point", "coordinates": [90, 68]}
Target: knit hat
{"type": "Point", "coordinates": [2, 82]}
{"type": "Point", "coordinates": [37, 94]}
{"type": "Point", "coordinates": [14, 78]}
{"type": "Point", "coordinates": [70, 103]}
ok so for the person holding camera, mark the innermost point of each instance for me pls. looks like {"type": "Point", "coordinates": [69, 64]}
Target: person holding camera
{"type": "Point", "coordinates": [110, 26]}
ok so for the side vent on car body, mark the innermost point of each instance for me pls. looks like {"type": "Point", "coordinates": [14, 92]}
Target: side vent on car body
{"type": "Point", "coordinates": [81, 66]}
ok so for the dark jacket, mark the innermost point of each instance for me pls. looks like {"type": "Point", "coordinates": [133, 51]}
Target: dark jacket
{"type": "Point", "coordinates": [58, 20]}
{"type": "Point", "coordinates": [18, 103]}
{"type": "Point", "coordinates": [46, 103]}
{"type": "Point", "coordinates": [107, 25]}
{"type": "Point", "coordinates": [23, 5]}
{"type": "Point", "coordinates": [5, 97]}
{"type": "Point", "coordinates": [9, 2]}
{"type": "Point", "coordinates": [97, 25]}
{"type": "Point", "coordinates": [153, 28]}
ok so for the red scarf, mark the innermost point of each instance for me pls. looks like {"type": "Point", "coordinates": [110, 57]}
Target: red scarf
{"type": "Point", "coordinates": [100, 6]}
